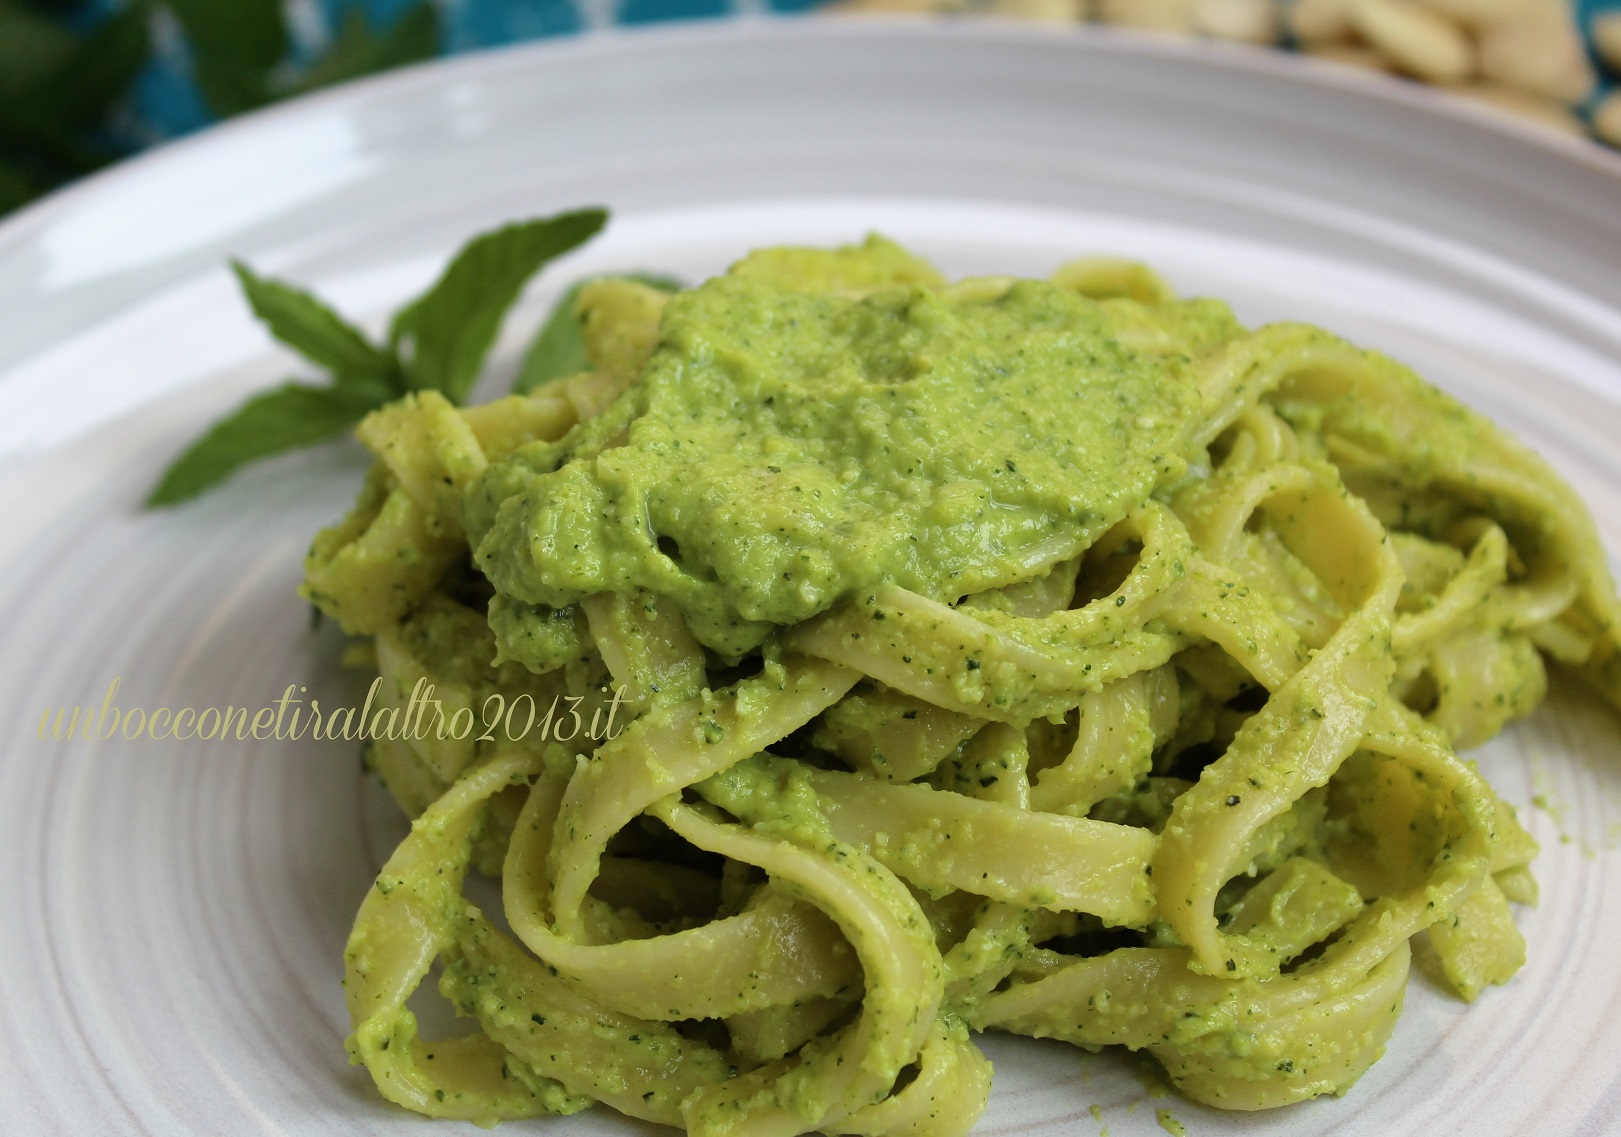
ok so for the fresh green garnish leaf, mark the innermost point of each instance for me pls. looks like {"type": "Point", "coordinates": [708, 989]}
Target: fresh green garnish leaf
{"type": "Point", "coordinates": [308, 326]}
{"type": "Point", "coordinates": [443, 337]}
{"type": "Point", "coordinates": [559, 348]}
{"type": "Point", "coordinates": [284, 418]}
{"type": "Point", "coordinates": [450, 327]}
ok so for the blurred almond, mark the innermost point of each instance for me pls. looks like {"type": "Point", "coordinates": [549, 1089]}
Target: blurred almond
{"type": "Point", "coordinates": [1538, 49]}
{"type": "Point", "coordinates": [1149, 15]}
{"type": "Point", "coordinates": [1042, 11]}
{"type": "Point", "coordinates": [1418, 41]}
{"type": "Point", "coordinates": [888, 7]}
{"type": "Point", "coordinates": [1317, 20]}
{"type": "Point", "coordinates": [1245, 21]}
{"type": "Point", "coordinates": [1607, 38]}
{"type": "Point", "coordinates": [1474, 13]}
{"type": "Point", "coordinates": [1350, 54]}
{"type": "Point", "coordinates": [1607, 119]}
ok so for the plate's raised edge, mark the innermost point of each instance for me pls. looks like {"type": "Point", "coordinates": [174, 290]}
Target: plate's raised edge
{"type": "Point", "coordinates": [630, 41]}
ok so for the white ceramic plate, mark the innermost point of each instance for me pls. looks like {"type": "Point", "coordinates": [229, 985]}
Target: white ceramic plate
{"type": "Point", "coordinates": [172, 916]}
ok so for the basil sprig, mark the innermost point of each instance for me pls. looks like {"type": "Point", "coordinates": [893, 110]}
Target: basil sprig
{"type": "Point", "coordinates": [437, 342]}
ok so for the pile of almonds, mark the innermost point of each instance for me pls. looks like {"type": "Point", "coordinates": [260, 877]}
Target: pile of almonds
{"type": "Point", "coordinates": [1522, 56]}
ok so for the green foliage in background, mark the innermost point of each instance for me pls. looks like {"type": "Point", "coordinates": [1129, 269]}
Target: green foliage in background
{"type": "Point", "coordinates": [60, 87]}
{"type": "Point", "coordinates": [56, 90]}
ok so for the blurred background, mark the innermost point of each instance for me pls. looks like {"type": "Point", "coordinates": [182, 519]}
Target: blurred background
{"type": "Point", "coordinates": [87, 82]}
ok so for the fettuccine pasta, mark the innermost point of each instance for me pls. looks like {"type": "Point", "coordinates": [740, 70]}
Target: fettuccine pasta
{"type": "Point", "coordinates": [916, 658]}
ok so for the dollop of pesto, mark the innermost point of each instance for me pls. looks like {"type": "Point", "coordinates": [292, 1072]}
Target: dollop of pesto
{"type": "Point", "coordinates": [801, 433]}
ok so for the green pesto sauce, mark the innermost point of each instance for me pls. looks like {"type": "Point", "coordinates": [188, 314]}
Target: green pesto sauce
{"type": "Point", "coordinates": [786, 448]}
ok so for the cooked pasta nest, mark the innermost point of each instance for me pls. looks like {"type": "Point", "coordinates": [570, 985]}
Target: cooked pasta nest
{"type": "Point", "coordinates": [1190, 790]}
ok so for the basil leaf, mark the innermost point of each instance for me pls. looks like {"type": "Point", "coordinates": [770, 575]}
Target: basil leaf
{"type": "Point", "coordinates": [235, 46]}
{"type": "Point", "coordinates": [559, 348]}
{"type": "Point", "coordinates": [447, 332]}
{"type": "Point", "coordinates": [450, 327]}
{"type": "Point", "coordinates": [284, 418]}
{"type": "Point", "coordinates": [308, 326]}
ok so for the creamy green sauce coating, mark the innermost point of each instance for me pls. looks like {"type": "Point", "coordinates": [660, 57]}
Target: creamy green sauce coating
{"type": "Point", "coordinates": [786, 448]}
